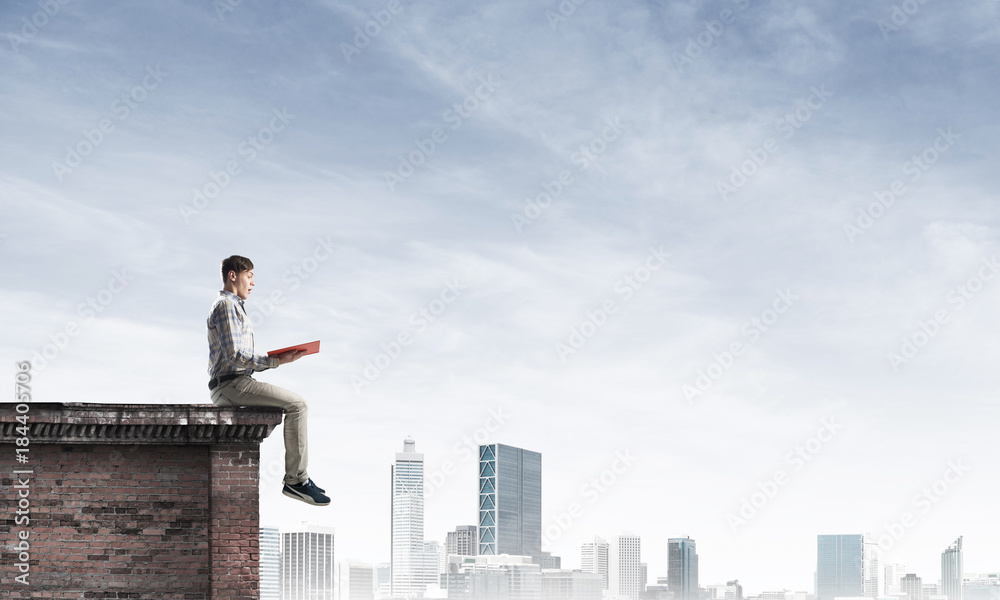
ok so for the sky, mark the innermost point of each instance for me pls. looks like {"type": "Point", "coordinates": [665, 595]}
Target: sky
{"type": "Point", "coordinates": [729, 266]}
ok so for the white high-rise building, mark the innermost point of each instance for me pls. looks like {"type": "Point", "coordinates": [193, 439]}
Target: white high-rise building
{"type": "Point", "coordinates": [353, 581]}
{"type": "Point", "coordinates": [594, 559]}
{"type": "Point", "coordinates": [872, 570]}
{"type": "Point", "coordinates": [307, 566]}
{"type": "Point", "coordinates": [951, 571]}
{"type": "Point", "coordinates": [624, 571]}
{"type": "Point", "coordinates": [408, 558]}
{"type": "Point", "coordinates": [270, 563]}
{"type": "Point", "coordinates": [435, 558]}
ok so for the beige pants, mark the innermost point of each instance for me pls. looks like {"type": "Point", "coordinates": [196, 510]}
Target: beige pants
{"type": "Point", "coordinates": [247, 391]}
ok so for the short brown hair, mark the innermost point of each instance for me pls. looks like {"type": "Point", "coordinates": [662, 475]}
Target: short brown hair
{"type": "Point", "coordinates": [235, 263]}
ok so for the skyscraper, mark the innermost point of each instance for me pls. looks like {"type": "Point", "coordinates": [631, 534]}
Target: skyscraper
{"type": "Point", "coordinates": [846, 565]}
{"type": "Point", "coordinates": [952, 571]}
{"type": "Point", "coordinates": [307, 567]}
{"type": "Point", "coordinates": [682, 568]}
{"type": "Point", "coordinates": [624, 566]}
{"type": "Point", "coordinates": [594, 559]}
{"type": "Point", "coordinates": [408, 559]}
{"type": "Point", "coordinates": [270, 563]}
{"type": "Point", "coordinates": [510, 502]}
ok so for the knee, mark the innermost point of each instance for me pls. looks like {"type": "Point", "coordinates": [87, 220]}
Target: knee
{"type": "Point", "coordinates": [298, 406]}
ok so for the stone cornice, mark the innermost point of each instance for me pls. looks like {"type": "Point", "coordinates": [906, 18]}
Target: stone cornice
{"type": "Point", "coordinates": [172, 424]}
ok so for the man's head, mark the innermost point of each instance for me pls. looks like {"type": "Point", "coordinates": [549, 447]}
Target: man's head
{"type": "Point", "coordinates": [237, 275]}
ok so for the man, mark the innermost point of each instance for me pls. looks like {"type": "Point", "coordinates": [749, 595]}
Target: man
{"type": "Point", "coordinates": [231, 364]}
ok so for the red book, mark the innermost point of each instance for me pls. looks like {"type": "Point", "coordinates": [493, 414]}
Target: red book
{"type": "Point", "coordinates": [310, 348]}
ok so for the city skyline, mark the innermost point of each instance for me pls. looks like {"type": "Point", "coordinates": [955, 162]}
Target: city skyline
{"type": "Point", "coordinates": [847, 565]}
{"type": "Point", "coordinates": [845, 555]}
{"type": "Point", "coordinates": [729, 266]}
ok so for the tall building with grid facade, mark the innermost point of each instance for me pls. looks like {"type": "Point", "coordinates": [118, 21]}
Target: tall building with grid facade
{"type": "Point", "coordinates": [510, 502]}
{"type": "Point", "coordinates": [625, 567]}
{"type": "Point", "coordinates": [594, 559]}
{"type": "Point", "coordinates": [408, 560]}
{"type": "Point", "coordinates": [270, 563]}
{"type": "Point", "coordinates": [952, 574]}
{"type": "Point", "coordinates": [307, 565]}
{"type": "Point", "coordinates": [462, 541]}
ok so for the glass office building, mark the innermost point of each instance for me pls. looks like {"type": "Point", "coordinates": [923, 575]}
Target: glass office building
{"type": "Point", "coordinates": [682, 568]}
{"type": "Point", "coordinates": [510, 502]}
{"type": "Point", "coordinates": [846, 566]}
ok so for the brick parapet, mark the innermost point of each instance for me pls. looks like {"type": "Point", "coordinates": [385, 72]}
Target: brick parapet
{"type": "Point", "coordinates": [134, 501]}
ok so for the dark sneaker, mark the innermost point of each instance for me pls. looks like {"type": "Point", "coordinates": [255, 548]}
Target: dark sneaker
{"type": "Point", "coordinates": [306, 492]}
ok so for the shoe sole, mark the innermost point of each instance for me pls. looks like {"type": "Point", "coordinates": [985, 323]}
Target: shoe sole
{"type": "Point", "coordinates": [303, 498]}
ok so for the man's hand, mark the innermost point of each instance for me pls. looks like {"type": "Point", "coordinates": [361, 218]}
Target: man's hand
{"type": "Point", "coordinates": [290, 356]}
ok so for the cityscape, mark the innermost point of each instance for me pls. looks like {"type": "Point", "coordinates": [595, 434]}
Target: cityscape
{"type": "Point", "coordinates": [501, 556]}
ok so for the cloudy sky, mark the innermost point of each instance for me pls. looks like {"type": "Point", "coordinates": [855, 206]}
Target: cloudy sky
{"type": "Point", "coordinates": [748, 245]}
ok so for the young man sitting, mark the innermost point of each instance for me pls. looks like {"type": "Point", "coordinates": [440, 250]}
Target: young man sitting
{"type": "Point", "coordinates": [231, 364]}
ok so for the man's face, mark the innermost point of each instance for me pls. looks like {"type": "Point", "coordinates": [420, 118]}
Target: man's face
{"type": "Point", "coordinates": [243, 283]}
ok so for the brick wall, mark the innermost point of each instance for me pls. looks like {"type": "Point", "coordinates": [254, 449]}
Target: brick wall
{"type": "Point", "coordinates": [129, 501]}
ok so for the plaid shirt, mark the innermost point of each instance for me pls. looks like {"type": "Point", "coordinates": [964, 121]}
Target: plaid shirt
{"type": "Point", "coordinates": [230, 340]}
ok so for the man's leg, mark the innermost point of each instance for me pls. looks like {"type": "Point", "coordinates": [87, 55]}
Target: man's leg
{"type": "Point", "coordinates": [246, 391]}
